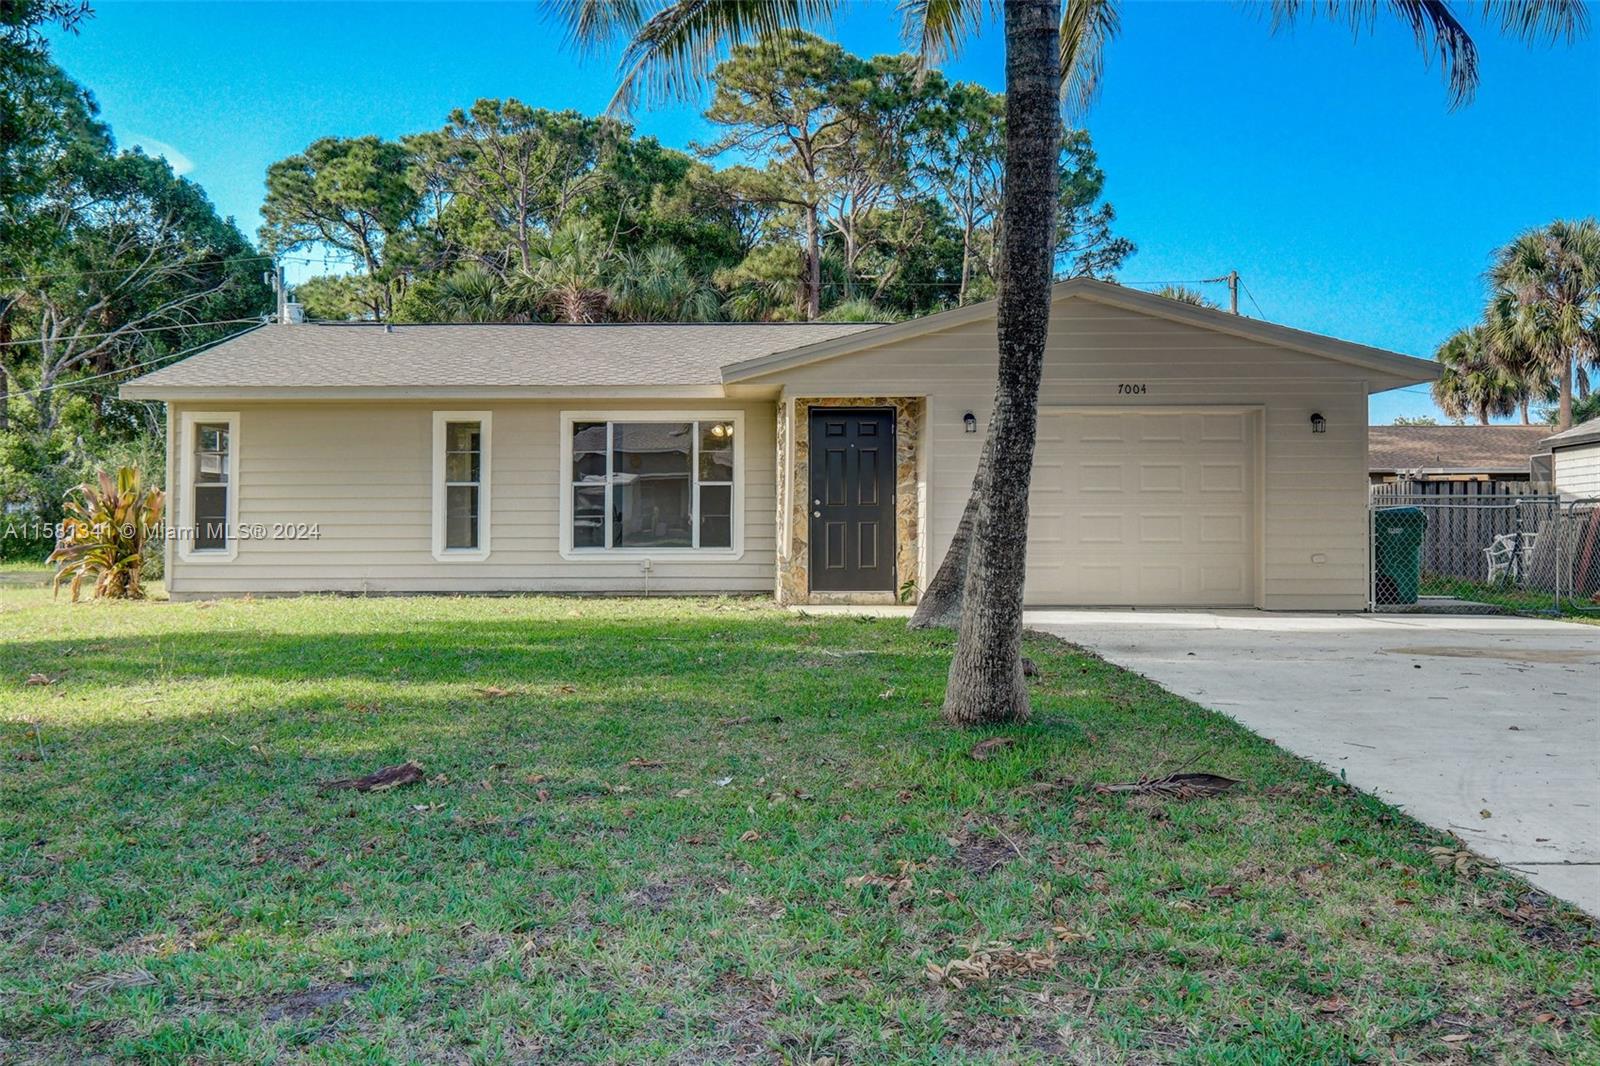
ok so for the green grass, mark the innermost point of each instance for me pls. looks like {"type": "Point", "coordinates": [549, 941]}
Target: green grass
{"type": "Point", "coordinates": [174, 887]}
{"type": "Point", "coordinates": [1510, 598]}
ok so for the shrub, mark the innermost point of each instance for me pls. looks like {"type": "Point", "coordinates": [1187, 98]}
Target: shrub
{"type": "Point", "coordinates": [107, 525]}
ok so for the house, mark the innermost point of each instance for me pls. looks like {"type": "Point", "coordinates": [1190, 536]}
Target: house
{"type": "Point", "coordinates": [1575, 460]}
{"type": "Point", "coordinates": [1453, 453]}
{"type": "Point", "coordinates": [1186, 457]}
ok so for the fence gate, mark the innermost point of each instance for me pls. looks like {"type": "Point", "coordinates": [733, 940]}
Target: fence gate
{"type": "Point", "coordinates": [1482, 548]}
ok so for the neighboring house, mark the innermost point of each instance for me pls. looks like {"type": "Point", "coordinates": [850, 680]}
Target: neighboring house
{"type": "Point", "coordinates": [1453, 453]}
{"type": "Point", "coordinates": [1186, 457]}
{"type": "Point", "coordinates": [1575, 459]}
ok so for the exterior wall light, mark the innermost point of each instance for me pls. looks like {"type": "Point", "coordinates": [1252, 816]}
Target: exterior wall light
{"type": "Point", "coordinates": [970, 421]}
{"type": "Point", "coordinates": [1318, 423]}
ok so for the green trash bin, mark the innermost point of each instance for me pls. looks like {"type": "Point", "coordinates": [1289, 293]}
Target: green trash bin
{"type": "Point", "coordinates": [1397, 553]}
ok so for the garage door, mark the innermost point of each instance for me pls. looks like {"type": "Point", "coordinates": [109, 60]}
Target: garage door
{"type": "Point", "coordinates": [1137, 508]}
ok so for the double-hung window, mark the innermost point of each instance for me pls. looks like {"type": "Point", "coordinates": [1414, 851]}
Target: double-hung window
{"type": "Point", "coordinates": [210, 484]}
{"type": "Point", "coordinates": [649, 483]}
{"type": "Point", "coordinates": [461, 485]}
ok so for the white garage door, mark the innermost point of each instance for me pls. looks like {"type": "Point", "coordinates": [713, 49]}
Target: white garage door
{"type": "Point", "coordinates": [1143, 509]}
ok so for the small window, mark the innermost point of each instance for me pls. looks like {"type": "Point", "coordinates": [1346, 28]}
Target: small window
{"type": "Point", "coordinates": [463, 472]}
{"type": "Point", "coordinates": [652, 485]}
{"type": "Point", "coordinates": [211, 486]}
{"type": "Point", "coordinates": [461, 485]}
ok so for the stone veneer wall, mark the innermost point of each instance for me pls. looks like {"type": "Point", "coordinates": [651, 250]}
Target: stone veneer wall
{"type": "Point", "coordinates": [794, 549]}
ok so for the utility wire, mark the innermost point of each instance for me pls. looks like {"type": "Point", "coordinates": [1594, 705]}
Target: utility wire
{"type": "Point", "coordinates": [139, 330]}
{"type": "Point", "coordinates": [174, 357]}
{"type": "Point", "coordinates": [124, 270]}
{"type": "Point", "coordinates": [1252, 296]}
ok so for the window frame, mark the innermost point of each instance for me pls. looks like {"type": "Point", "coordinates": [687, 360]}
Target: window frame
{"type": "Point", "coordinates": [735, 549]}
{"type": "Point", "coordinates": [187, 525]}
{"type": "Point", "coordinates": [485, 420]}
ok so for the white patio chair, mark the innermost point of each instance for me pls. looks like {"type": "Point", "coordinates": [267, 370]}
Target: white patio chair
{"type": "Point", "coordinates": [1508, 555]}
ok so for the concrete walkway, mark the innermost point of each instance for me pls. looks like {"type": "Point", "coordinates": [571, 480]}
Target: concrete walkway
{"type": "Point", "coordinates": [1487, 727]}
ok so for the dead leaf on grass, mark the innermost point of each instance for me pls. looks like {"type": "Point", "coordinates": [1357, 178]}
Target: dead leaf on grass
{"type": "Point", "coordinates": [1333, 1005]}
{"type": "Point", "coordinates": [983, 749]}
{"type": "Point", "coordinates": [1462, 861]}
{"type": "Point", "coordinates": [995, 959]}
{"type": "Point", "coordinates": [639, 763]}
{"type": "Point", "coordinates": [749, 836]}
{"type": "Point", "coordinates": [40, 679]}
{"type": "Point", "coordinates": [379, 780]}
{"type": "Point", "coordinates": [99, 984]}
{"type": "Point", "coordinates": [899, 881]}
{"type": "Point", "coordinates": [1177, 786]}
{"type": "Point", "coordinates": [495, 692]}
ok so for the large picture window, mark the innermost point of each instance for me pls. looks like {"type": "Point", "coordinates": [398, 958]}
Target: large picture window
{"type": "Point", "coordinates": [460, 485]}
{"type": "Point", "coordinates": [650, 484]}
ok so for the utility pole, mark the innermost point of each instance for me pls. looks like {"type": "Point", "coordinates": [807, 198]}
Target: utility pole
{"type": "Point", "coordinates": [281, 287]}
{"type": "Point", "coordinates": [1232, 278]}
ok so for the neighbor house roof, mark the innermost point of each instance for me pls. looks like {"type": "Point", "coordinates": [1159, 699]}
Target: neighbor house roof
{"type": "Point", "coordinates": [1582, 433]}
{"type": "Point", "coordinates": [1453, 449]}
{"type": "Point", "coordinates": [356, 358]}
{"type": "Point", "coordinates": [1405, 368]}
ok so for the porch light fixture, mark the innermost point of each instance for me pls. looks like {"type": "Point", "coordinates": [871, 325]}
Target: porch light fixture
{"type": "Point", "coordinates": [970, 421]}
{"type": "Point", "coordinates": [1318, 423]}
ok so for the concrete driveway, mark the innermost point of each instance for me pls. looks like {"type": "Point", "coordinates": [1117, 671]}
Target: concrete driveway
{"type": "Point", "coordinates": [1445, 717]}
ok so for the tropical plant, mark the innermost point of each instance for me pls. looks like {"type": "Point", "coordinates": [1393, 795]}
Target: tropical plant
{"type": "Point", "coordinates": [1472, 382]}
{"type": "Point", "coordinates": [1545, 302]}
{"type": "Point", "coordinates": [1185, 295]}
{"type": "Point", "coordinates": [1050, 53]}
{"type": "Point", "coordinates": [469, 293]}
{"type": "Point", "coordinates": [1582, 410]}
{"type": "Point", "coordinates": [110, 521]}
{"type": "Point", "coordinates": [570, 279]}
{"type": "Point", "coordinates": [656, 285]}
{"type": "Point", "coordinates": [859, 309]}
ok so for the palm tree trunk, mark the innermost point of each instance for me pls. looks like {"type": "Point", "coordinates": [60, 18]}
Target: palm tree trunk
{"type": "Point", "coordinates": [1524, 406]}
{"type": "Point", "coordinates": [939, 606]}
{"type": "Point", "coordinates": [1564, 421]}
{"type": "Point", "coordinates": [986, 682]}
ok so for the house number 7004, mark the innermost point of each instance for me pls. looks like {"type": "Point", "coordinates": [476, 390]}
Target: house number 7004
{"type": "Point", "coordinates": [1138, 389]}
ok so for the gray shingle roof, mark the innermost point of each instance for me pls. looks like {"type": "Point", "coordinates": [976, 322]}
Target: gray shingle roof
{"type": "Point", "coordinates": [539, 355]}
{"type": "Point", "coordinates": [1582, 433]}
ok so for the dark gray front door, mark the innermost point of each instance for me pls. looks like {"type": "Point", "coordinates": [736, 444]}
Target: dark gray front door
{"type": "Point", "coordinates": [852, 500]}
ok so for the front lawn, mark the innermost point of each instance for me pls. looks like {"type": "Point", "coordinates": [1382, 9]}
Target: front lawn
{"type": "Point", "coordinates": [699, 832]}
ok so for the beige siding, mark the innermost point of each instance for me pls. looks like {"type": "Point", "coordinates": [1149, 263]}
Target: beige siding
{"type": "Point", "coordinates": [1313, 486]}
{"type": "Point", "coordinates": [1577, 470]}
{"type": "Point", "coordinates": [362, 473]}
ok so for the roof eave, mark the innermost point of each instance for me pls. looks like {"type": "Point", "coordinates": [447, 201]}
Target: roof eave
{"type": "Point", "coordinates": [308, 393]}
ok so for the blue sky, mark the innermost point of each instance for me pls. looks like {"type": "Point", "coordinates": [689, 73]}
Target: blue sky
{"type": "Point", "coordinates": [1330, 172]}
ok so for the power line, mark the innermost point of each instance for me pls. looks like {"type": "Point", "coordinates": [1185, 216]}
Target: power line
{"type": "Point", "coordinates": [125, 270]}
{"type": "Point", "coordinates": [174, 357]}
{"type": "Point", "coordinates": [1252, 296]}
{"type": "Point", "coordinates": [139, 330]}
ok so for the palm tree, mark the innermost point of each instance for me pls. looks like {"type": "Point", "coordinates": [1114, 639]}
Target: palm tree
{"type": "Point", "coordinates": [1185, 295]}
{"type": "Point", "coordinates": [1545, 301]}
{"type": "Point", "coordinates": [469, 293]}
{"type": "Point", "coordinates": [1050, 53]}
{"type": "Point", "coordinates": [1472, 381]}
{"type": "Point", "coordinates": [570, 275]}
{"type": "Point", "coordinates": [656, 285]}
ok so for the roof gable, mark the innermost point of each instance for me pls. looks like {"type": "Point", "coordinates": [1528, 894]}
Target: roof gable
{"type": "Point", "coordinates": [1392, 366]}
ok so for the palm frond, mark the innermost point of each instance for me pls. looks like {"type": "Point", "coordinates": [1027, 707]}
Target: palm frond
{"type": "Point", "coordinates": [938, 28]}
{"type": "Point", "coordinates": [674, 50]}
{"type": "Point", "coordinates": [593, 24]}
{"type": "Point", "coordinates": [1432, 23]}
{"type": "Point", "coordinates": [1087, 27]}
{"type": "Point", "coordinates": [1539, 20]}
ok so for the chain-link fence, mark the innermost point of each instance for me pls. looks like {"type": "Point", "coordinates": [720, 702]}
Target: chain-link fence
{"type": "Point", "coordinates": [1488, 552]}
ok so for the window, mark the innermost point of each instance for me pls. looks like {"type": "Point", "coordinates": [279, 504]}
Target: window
{"type": "Point", "coordinates": [209, 489]}
{"type": "Point", "coordinates": [662, 484]}
{"type": "Point", "coordinates": [211, 486]}
{"type": "Point", "coordinates": [460, 485]}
